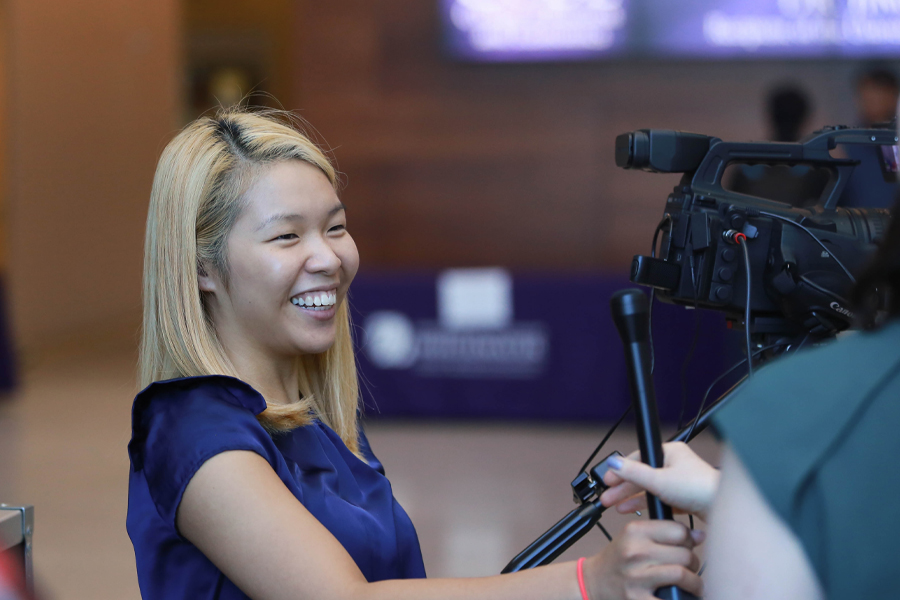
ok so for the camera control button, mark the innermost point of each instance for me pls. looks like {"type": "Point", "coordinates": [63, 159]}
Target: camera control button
{"type": "Point", "coordinates": [725, 273]}
{"type": "Point", "coordinates": [728, 254]}
{"type": "Point", "coordinates": [723, 293]}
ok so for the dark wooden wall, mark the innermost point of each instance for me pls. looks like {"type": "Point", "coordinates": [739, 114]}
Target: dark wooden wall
{"type": "Point", "coordinates": [451, 164]}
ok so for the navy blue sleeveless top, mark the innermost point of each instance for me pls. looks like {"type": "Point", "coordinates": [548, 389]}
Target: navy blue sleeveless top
{"type": "Point", "coordinates": [179, 424]}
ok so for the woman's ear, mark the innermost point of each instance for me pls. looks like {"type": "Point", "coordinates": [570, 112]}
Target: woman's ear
{"type": "Point", "coordinates": [207, 283]}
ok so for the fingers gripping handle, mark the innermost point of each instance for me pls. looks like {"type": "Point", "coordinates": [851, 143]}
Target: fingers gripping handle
{"type": "Point", "coordinates": [631, 314]}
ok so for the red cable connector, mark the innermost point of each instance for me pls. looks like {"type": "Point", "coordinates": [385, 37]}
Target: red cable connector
{"type": "Point", "coordinates": [732, 236]}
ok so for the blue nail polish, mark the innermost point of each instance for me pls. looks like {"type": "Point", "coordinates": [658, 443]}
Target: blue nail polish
{"type": "Point", "coordinates": [615, 462]}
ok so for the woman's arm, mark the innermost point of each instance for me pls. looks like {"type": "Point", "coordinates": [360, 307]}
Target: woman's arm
{"type": "Point", "coordinates": [242, 517]}
{"type": "Point", "coordinates": [753, 554]}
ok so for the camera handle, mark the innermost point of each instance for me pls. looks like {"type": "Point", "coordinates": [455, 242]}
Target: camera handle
{"type": "Point", "coordinates": [631, 313]}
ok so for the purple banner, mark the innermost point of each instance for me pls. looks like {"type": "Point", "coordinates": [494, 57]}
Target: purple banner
{"type": "Point", "coordinates": [486, 344]}
{"type": "Point", "coordinates": [539, 30]}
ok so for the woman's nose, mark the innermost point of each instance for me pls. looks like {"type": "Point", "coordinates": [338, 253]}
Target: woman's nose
{"type": "Point", "coordinates": [323, 259]}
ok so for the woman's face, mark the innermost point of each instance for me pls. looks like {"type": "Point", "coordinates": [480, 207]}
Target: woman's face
{"type": "Point", "coordinates": [290, 262]}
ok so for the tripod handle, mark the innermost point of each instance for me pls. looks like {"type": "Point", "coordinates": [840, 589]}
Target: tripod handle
{"type": "Point", "coordinates": [631, 313]}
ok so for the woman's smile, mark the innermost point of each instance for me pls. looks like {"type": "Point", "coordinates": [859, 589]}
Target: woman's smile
{"type": "Point", "coordinates": [317, 305]}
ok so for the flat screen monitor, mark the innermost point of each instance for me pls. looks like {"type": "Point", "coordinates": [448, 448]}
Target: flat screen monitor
{"type": "Point", "coordinates": [571, 30]}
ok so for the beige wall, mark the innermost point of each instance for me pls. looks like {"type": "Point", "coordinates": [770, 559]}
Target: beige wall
{"type": "Point", "coordinates": [94, 97]}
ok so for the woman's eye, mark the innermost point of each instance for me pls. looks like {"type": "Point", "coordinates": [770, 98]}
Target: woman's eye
{"type": "Point", "coordinates": [287, 236]}
{"type": "Point", "coordinates": [338, 228]}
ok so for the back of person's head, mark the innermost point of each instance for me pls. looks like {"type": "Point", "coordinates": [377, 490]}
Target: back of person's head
{"type": "Point", "coordinates": [877, 92]}
{"type": "Point", "coordinates": [198, 191]}
{"type": "Point", "coordinates": [877, 291]}
{"type": "Point", "coordinates": [788, 109]}
{"type": "Point", "coordinates": [879, 76]}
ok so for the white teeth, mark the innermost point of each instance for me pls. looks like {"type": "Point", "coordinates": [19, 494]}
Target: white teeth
{"type": "Point", "coordinates": [322, 300]}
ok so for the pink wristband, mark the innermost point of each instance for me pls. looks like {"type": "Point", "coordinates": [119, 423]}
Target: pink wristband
{"type": "Point", "coordinates": [584, 594]}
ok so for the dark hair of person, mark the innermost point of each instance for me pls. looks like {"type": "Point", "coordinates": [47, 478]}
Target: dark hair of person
{"type": "Point", "coordinates": [879, 76]}
{"type": "Point", "coordinates": [877, 292]}
{"type": "Point", "coordinates": [788, 109]}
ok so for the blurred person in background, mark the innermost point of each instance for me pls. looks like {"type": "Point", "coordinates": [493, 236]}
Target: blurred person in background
{"type": "Point", "coordinates": [877, 93]}
{"type": "Point", "coordinates": [808, 465]}
{"type": "Point", "coordinates": [788, 109]}
{"type": "Point", "coordinates": [250, 475]}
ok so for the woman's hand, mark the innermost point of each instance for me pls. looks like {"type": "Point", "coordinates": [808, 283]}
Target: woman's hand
{"type": "Point", "coordinates": [685, 482]}
{"type": "Point", "coordinates": [647, 555]}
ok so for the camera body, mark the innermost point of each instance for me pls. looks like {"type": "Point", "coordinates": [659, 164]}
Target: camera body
{"type": "Point", "coordinates": [797, 286]}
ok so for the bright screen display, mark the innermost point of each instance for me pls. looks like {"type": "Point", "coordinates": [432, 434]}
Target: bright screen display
{"type": "Point", "coordinates": [539, 30]}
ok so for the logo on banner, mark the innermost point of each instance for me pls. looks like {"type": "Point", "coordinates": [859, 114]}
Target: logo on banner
{"type": "Point", "coordinates": [475, 335]}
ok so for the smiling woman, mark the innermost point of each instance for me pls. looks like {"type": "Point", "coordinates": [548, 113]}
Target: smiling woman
{"type": "Point", "coordinates": [249, 474]}
{"type": "Point", "coordinates": [288, 244]}
{"type": "Point", "coordinates": [206, 177]}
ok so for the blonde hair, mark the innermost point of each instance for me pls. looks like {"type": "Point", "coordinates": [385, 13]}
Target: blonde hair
{"type": "Point", "coordinates": [197, 195]}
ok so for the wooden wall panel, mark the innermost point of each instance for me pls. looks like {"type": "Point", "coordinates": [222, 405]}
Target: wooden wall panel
{"type": "Point", "coordinates": [94, 98]}
{"type": "Point", "coordinates": [453, 164]}
{"type": "Point", "coordinates": [4, 133]}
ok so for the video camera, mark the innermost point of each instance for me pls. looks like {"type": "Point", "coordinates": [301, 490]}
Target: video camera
{"type": "Point", "coordinates": [801, 262]}
{"type": "Point", "coordinates": [782, 271]}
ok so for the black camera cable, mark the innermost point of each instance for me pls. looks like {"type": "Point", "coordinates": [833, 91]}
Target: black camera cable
{"type": "Point", "coordinates": [706, 396]}
{"type": "Point", "coordinates": [741, 240]}
{"type": "Point", "coordinates": [723, 376]}
{"type": "Point", "coordinates": [667, 218]}
{"type": "Point", "coordinates": [605, 439]}
{"type": "Point", "coordinates": [813, 236]}
{"type": "Point", "coordinates": [824, 291]}
{"type": "Point", "coordinates": [694, 339]}
{"type": "Point", "coordinates": [587, 463]}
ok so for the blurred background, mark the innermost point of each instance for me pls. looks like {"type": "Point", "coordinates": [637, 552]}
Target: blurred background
{"type": "Point", "coordinates": [476, 142]}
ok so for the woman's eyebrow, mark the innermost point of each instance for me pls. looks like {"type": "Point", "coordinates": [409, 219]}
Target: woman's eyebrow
{"type": "Point", "coordinates": [296, 216]}
{"type": "Point", "coordinates": [279, 217]}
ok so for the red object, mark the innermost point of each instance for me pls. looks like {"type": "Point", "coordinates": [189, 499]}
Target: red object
{"type": "Point", "coordinates": [584, 594]}
{"type": "Point", "coordinates": [738, 237]}
{"type": "Point", "coordinates": [12, 581]}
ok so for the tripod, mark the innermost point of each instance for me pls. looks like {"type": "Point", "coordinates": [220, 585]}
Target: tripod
{"type": "Point", "coordinates": [572, 527]}
{"type": "Point", "coordinates": [587, 487]}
